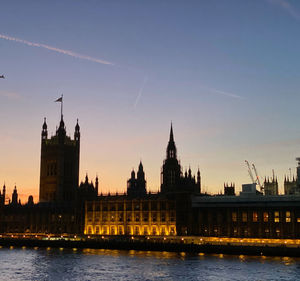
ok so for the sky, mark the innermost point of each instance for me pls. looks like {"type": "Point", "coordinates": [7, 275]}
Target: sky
{"type": "Point", "coordinates": [225, 73]}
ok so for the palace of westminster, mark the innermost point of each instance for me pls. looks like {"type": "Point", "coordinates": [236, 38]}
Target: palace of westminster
{"type": "Point", "coordinates": [179, 208]}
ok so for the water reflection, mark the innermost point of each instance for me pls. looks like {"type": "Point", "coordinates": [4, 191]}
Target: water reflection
{"type": "Point", "coordinates": [93, 264]}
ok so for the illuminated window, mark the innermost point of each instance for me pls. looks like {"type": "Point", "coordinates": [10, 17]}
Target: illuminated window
{"type": "Point", "coordinates": [172, 231]}
{"type": "Point", "coordinates": [154, 230]}
{"type": "Point", "coordinates": [120, 230]}
{"type": "Point", "coordinates": [276, 216]}
{"type": "Point", "coordinates": [89, 230]}
{"type": "Point", "coordinates": [145, 230]}
{"type": "Point", "coordinates": [266, 217]}
{"type": "Point", "coordinates": [97, 230]}
{"type": "Point", "coordinates": [112, 218]}
{"type": "Point", "coordinates": [267, 230]}
{"type": "Point", "coordinates": [244, 217]}
{"type": "Point", "coordinates": [112, 231]}
{"type": "Point", "coordinates": [298, 219]}
{"type": "Point", "coordinates": [128, 230]}
{"type": "Point", "coordinates": [287, 216]}
{"type": "Point", "coordinates": [137, 230]}
{"type": "Point", "coordinates": [234, 216]}
{"type": "Point", "coordinates": [105, 230]}
{"type": "Point", "coordinates": [163, 231]}
{"type": "Point", "coordinates": [254, 217]}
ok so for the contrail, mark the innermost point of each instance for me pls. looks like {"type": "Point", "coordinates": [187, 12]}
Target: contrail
{"type": "Point", "coordinates": [226, 94]}
{"type": "Point", "coordinates": [65, 52]}
{"type": "Point", "coordinates": [141, 91]}
{"type": "Point", "coordinates": [286, 6]}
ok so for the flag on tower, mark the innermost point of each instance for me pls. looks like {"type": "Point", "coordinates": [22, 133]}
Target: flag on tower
{"type": "Point", "coordinates": [59, 99]}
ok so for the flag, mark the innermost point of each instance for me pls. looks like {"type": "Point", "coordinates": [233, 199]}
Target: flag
{"type": "Point", "coordinates": [59, 99]}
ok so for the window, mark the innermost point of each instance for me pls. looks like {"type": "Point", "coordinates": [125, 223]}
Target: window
{"type": "Point", "coordinates": [244, 217]}
{"type": "Point", "coordinates": [276, 216]}
{"type": "Point", "coordinates": [234, 216]}
{"type": "Point", "coordinates": [154, 230]}
{"type": "Point", "coordinates": [172, 231]}
{"type": "Point", "coordinates": [287, 216]}
{"type": "Point", "coordinates": [145, 230]}
{"type": "Point", "coordinates": [154, 217]}
{"type": "Point", "coordinates": [137, 217]}
{"type": "Point", "coordinates": [163, 217]}
{"type": "Point", "coordinates": [254, 217]}
{"type": "Point", "coordinates": [172, 216]}
{"type": "Point", "coordinates": [120, 217]}
{"type": "Point", "coordinates": [145, 217]}
{"type": "Point", "coordinates": [266, 217]}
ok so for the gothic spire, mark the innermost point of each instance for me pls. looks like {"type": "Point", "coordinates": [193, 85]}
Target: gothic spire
{"type": "Point", "coordinates": [171, 149]}
{"type": "Point", "coordinates": [171, 134]}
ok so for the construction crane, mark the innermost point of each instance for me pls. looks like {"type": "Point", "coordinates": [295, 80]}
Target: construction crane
{"type": "Point", "coordinates": [257, 178]}
{"type": "Point", "coordinates": [250, 172]}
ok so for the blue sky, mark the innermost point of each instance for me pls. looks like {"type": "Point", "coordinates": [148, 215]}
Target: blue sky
{"type": "Point", "coordinates": [225, 72]}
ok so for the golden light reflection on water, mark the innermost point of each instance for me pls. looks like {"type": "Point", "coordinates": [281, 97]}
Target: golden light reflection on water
{"type": "Point", "coordinates": [288, 260]}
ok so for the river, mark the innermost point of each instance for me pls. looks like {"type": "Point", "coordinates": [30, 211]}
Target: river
{"type": "Point", "coordinates": [88, 264]}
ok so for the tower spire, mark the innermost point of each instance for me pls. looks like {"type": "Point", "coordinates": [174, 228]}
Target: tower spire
{"type": "Point", "coordinates": [171, 134]}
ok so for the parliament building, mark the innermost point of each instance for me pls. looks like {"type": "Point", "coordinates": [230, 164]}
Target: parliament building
{"type": "Point", "coordinates": [179, 208]}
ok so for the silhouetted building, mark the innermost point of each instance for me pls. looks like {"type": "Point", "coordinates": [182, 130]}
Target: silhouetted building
{"type": "Point", "coordinates": [172, 180]}
{"type": "Point", "coordinates": [136, 186]}
{"type": "Point", "coordinates": [290, 186]}
{"type": "Point", "coordinates": [229, 190]}
{"type": "Point", "coordinates": [87, 190]}
{"type": "Point", "coordinates": [271, 187]}
{"type": "Point", "coordinates": [59, 170]}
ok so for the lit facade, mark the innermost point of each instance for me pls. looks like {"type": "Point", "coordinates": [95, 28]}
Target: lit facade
{"type": "Point", "coordinates": [119, 215]}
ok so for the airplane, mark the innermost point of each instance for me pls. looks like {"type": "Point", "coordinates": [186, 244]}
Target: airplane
{"type": "Point", "coordinates": [2, 76]}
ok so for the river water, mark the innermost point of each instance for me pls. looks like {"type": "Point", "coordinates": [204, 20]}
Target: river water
{"type": "Point", "coordinates": [88, 264]}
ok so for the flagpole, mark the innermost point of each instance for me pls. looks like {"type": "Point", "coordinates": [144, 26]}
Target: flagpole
{"type": "Point", "coordinates": [61, 107]}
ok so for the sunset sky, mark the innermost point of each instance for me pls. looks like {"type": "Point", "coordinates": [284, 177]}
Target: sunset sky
{"type": "Point", "coordinates": [226, 73]}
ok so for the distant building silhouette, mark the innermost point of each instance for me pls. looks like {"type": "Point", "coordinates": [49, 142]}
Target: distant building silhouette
{"type": "Point", "coordinates": [136, 186]}
{"type": "Point", "coordinates": [271, 187]}
{"type": "Point", "coordinates": [229, 190]}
